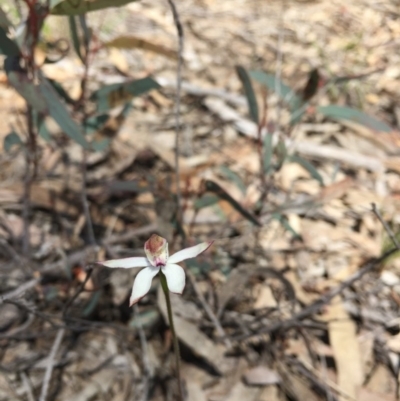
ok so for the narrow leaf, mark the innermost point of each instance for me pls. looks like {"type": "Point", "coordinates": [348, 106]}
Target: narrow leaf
{"type": "Point", "coordinates": [308, 166]}
{"type": "Point", "coordinates": [60, 114]}
{"type": "Point", "coordinates": [113, 95]}
{"type": "Point", "coordinates": [100, 145]}
{"type": "Point", "coordinates": [277, 86]}
{"type": "Point", "coordinates": [249, 92]}
{"type": "Point", "coordinates": [95, 123]}
{"type": "Point", "coordinates": [5, 23]}
{"type": "Point", "coordinates": [77, 7]}
{"type": "Point", "coordinates": [10, 140]}
{"type": "Point", "coordinates": [234, 177]}
{"type": "Point", "coordinates": [61, 91]}
{"type": "Point", "coordinates": [87, 34]}
{"type": "Point", "coordinates": [312, 85]}
{"type": "Point", "coordinates": [285, 224]}
{"type": "Point", "coordinates": [7, 46]}
{"type": "Point", "coordinates": [267, 153]}
{"type": "Point", "coordinates": [43, 99]}
{"type": "Point", "coordinates": [348, 113]}
{"type": "Point", "coordinates": [281, 152]}
{"type": "Point", "coordinates": [222, 194]}
{"type": "Point", "coordinates": [205, 201]}
{"type": "Point", "coordinates": [75, 37]}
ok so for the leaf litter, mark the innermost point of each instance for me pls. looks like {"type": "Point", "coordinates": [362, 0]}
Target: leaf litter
{"type": "Point", "coordinates": [343, 155]}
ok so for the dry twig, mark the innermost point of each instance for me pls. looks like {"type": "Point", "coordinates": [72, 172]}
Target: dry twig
{"type": "Point", "coordinates": [50, 364]}
{"type": "Point", "coordinates": [179, 29]}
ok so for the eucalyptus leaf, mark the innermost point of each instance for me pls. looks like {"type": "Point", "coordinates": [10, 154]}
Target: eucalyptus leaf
{"type": "Point", "coordinates": [110, 96]}
{"type": "Point", "coordinates": [249, 92]}
{"type": "Point", "coordinates": [270, 81]}
{"type": "Point", "coordinates": [285, 224]}
{"type": "Point", "coordinates": [95, 123]}
{"type": "Point", "coordinates": [267, 153]}
{"type": "Point", "coordinates": [5, 23]}
{"type": "Point", "coordinates": [100, 145]}
{"type": "Point", "coordinates": [7, 46]}
{"type": "Point", "coordinates": [234, 177]}
{"type": "Point", "coordinates": [347, 113]}
{"type": "Point", "coordinates": [75, 37]}
{"type": "Point", "coordinates": [308, 166]}
{"type": "Point", "coordinates": [77, 7]}
{"type": "Point", "coordinates": [43, 98]}
{"type": "Point", "coordinates": [10, 140]}
{"type": "Point", "coordinates": [60, 114]}
{"type": "Point", "coordinates": [222, 194]}
{"type": "Point", "coordinates": [205, 201]}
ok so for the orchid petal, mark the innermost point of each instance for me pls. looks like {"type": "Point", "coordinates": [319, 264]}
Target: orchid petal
{"type": "Point", "coordinates": [175, 277]}
{"type": "Point", "coordinates": [189, 253]}
{"type": "Point", "coordinates": [126, 263]}
{"type": "Point", "coordinates": [156, 249]}
{"type": "Point", "coordinates": [142, 283]}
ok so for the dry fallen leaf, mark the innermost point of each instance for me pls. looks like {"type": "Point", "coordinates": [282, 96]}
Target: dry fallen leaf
{"type": "Point", "coordinates": [343, 339]}
{"type": "Point", "coordinates": [261, 376]}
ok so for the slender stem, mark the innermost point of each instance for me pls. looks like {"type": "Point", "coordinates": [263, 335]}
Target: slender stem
{"type": "Point", "coordinates": [164, 286]}
{"type": "Point", "coordinates": [179, 29]}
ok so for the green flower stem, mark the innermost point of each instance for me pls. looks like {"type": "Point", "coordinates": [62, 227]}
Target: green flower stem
{"type": "Point", "coordinates": [164, 286]}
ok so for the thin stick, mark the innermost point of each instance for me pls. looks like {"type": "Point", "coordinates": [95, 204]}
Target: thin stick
{"type": "Point", "coordinates": [29, 174]}
{"type": "Point", "coordinates": [82, 101]}
{"type": "Point", "coordinates": [385, 226]}
{"type": "Point", "coordinates": [28, 387]}
{"type": "Point", "coordinates": [179, 29]}
{"type": "Point", "coordinates": [164, 286]}
{"type": "Point", "coordinates": [208, 310]}
{"type": "Point", "coordinates": [322, 301]}
{"type": "Point", "coordinates": [145, 354]}
{"type": "Point", "coordinates": [50, 364]}
{"type": "Point", "coordinates": [279, 67]}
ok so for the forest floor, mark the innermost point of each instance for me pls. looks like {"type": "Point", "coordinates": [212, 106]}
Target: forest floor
{"type": "Point", "coordinates": [294, 300]}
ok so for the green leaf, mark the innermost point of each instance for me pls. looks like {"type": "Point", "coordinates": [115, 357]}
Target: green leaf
{"type": "Point", "coordinates": [41, 126]}
{"type": "Point", "coordinates": [19, 80]}
{"type": "Point", "coordinates": [5, 23]}
{"type": "Point", "coordinates": [348, 113]}
{"type": "Point", "coordinates": [91, 304]}
{"type": "Point", "coordinates": [61, 91]}
{"type": "Point", "coordinates": [205, 201]}
{"type": "Point", "coordinates": [44, 99]}
{"type": "Point", "coordinates": [7, 46]}
{"type": "Point", "coordinates": [95, 123]}
{"type": "Point", "coordinates": [222, 194]}
{"type": "Point", "coordinates": [267, 153]}
{"type": "Point", "coordinates": [76, 7]}
{"type": "Point", "coordinates": [308, 166]}
{"type": "Point", "coordinates": [75, 37]}
{"type": "Point", "coordinates": [113, 95]}
{"type": "Point", "coordinates": [281, 152]}
{"type": "Point", "coordinates": [285, 224]}
{"type": "Point", "coordinates": [87, 34]}
{"type": "Point", "coordinates": [44, 132]}
{"type": "Point", "coordinates": [58, 111]}
{"type": "Point", "coordinates": [10, 140]}
{"type": "Point", "coordinates": [250, 95]}
{"type": "Point", "coordinates": [277, 86]}
{"type": "Point", "coordinates": [235, 178]}
{"type": "Point", "coordinates": [100, 145]}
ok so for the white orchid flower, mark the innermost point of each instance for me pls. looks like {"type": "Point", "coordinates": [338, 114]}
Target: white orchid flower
{"type": "Point", "coordinates": [156, 249]}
